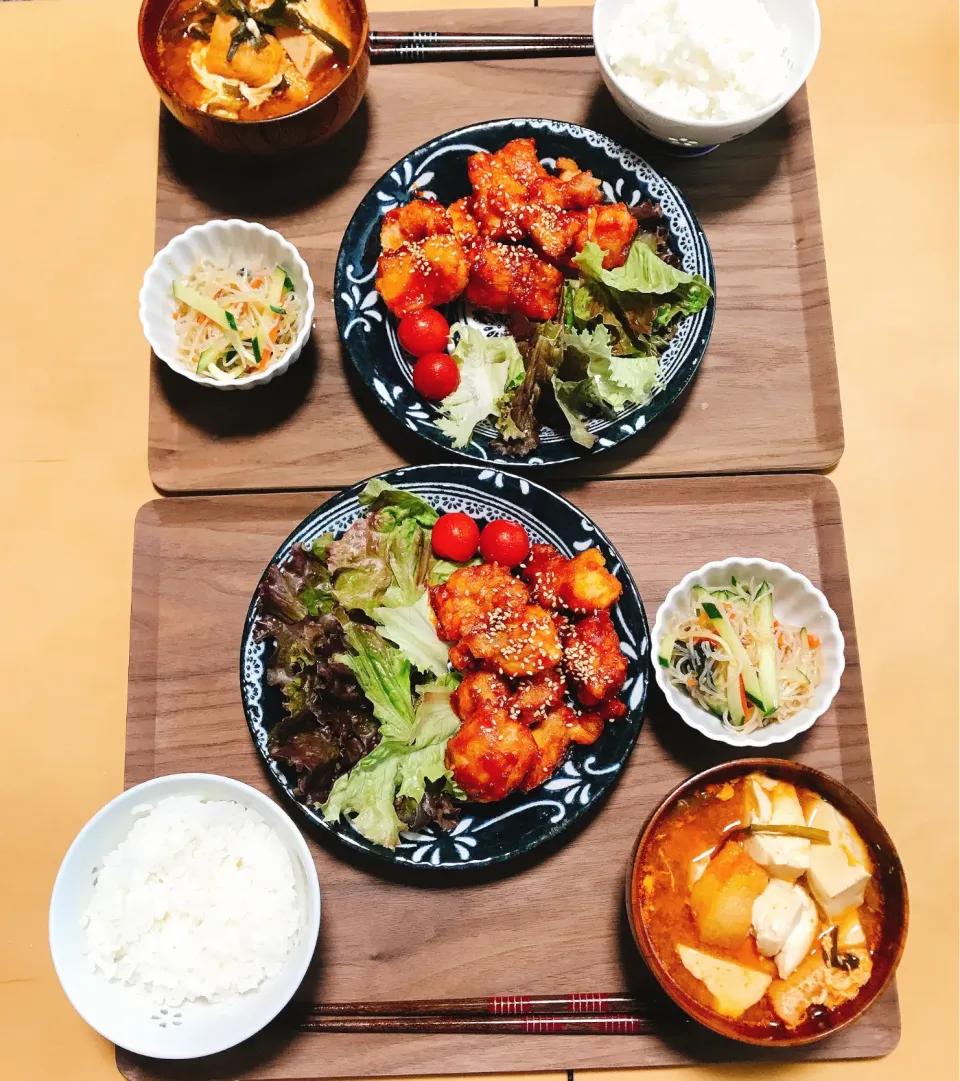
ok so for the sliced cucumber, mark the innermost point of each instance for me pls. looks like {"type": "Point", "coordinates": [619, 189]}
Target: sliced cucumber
{"type": "Point", "coordinates": [769, 680]}
{"type": "Point", "coordinates": [186, 294]}
{"type": "Point", "coordinates": [734, 704]}
{"type": "Point", "coordinates": [665, 654]}
{"type": "Point", "coordinates": [720, 623]}
{"type": "Point", "coordinates": [207, 359]}
{"type": "Point", "coordinates": [275, 288]}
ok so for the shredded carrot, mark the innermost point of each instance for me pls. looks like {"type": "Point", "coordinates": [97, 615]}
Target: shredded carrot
{"type": "Point", "coordinates": [256, 283]}
{"type": "Point", "coordinates": [743, 697]}
{"type": "Point", "coordinates": [813, 641]}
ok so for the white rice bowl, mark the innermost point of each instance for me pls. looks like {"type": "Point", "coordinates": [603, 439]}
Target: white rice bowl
{"type": "Point", "coordinates": [184, 916]}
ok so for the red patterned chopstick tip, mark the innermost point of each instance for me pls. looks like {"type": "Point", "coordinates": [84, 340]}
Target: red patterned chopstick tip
{"type": "Point", "coordinates": [503, 1005]}
{"type": "Point", "coordinates": [611, 1025]}
{"type": "Point", "coordinates": [588, 1003]}
{"type": "Point", "coordinates": [543, 1026]}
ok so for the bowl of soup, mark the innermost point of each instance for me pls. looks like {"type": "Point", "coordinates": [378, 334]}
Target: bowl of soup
{"type": "Point", "coordinates": [768, 901]}
{"type": "Point", "coordinates": [257, 76]}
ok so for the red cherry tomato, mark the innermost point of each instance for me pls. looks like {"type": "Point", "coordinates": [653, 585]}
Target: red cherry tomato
{"type": "Point", "coordinates": [435, 375]}
{"type": "Point", "coordinates": [424, 332]}
{"type": "Point", "coordinates": [504, 542]}
{"type": "Point", "coordinates": [455, 537]}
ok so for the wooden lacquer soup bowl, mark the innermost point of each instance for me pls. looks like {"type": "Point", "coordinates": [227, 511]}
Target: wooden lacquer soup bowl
{"type": "Point", "coordinates": [888, 870]}
{"type": "Point", "coordinates": [305, 127]}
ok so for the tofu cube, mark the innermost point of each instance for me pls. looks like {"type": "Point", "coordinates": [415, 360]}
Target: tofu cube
{"type": "Point", "coordinates": [735, 988]}
{"type": "Point", "coordinates": [776, 803]}
{"type": "Point", "coordinates": [839, 871]}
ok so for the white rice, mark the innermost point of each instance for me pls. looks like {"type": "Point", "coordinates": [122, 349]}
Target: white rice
{"type": "Point", "coordinates": [199, 901]}
{"type": "Point", "coordinates": [700, 59]}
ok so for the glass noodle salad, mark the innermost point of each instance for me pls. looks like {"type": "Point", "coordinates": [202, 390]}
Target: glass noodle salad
{"type": "Point", "coordinates": [735, 659]}
{"type": "Point", "coordinates": [233, 321]}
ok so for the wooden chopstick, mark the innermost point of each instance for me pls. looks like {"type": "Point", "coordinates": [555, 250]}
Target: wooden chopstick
{"type": "Point", "coordinates": [494, 1006]}
{"type": "Point", "coordinates": [414, 46]}
{"type": "Point", "coordinates": [530, 1025]}
{"type": "Point", "coordinates": [578, 1014]}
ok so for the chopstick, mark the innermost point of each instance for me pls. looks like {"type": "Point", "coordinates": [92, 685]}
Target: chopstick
{"type": "Point", "coordinates": [414, 46]}
{"type": "Point", "coordinates": [578, 1014]}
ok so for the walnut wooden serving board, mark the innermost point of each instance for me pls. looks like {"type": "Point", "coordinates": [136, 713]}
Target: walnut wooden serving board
{"type": "Point", "coordinates": [555, 924]}
{"type": "Point", "coordinates": [766, 397]}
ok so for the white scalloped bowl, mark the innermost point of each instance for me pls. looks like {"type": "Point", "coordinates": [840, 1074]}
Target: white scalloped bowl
{"type": "Point", "coordinates": [243, 240]}
{"type": "Point", "coordinates": [802, 21]}
{"type": "Point", "coordinates": [123, 1014]}
{"type": "Point", "coordinates": [796, 600]}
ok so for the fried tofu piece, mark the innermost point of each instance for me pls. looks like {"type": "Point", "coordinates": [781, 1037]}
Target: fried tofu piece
{"type": "Point", "coordinates": [722, 897]}
{"type": "Point", "coordinates": [422, 263]}
{"type": "Point", "coordinates": [536, 696]}
{"type": "Point", "coordinates": [490, 755]}
{"type": "Point", "coordinates": [592, 659]}
{"type": "Point", "coordinates": [586, 585]}
{"type": "Point", "coordinates": [513, 280]}
{"type": "Point", "coordinates": [815, 983]}
{"type": "Point", "coordinates": [543, 572]}
{"type": "Point", "coordinates": [250, 65]}
{"type": "Point", "coordinates": [472, 596]}
{"type": "Point", "coordinates": [521, 646]}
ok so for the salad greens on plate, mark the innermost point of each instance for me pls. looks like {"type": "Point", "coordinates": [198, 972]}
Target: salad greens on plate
{"type": "Point", "coordinates": [598, 357]}
{"type": "Point", "coordinates": [363, 674]}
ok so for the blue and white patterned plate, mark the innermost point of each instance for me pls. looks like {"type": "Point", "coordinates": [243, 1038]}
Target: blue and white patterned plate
{"type": "Point", "coordinates": [487, 833]}
{"type": "Point", "coordinates": [439, 169]}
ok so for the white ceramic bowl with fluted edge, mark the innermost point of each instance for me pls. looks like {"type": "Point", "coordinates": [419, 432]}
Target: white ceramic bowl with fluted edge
{"type": "Point", "coordinates": [800, 17]}
{"type": "Point", "coordinates": [124, 1014]}
{"type": "Point", "coordinates": [231, 239]}
{"type": "Point", "coordinates": [797, 601]}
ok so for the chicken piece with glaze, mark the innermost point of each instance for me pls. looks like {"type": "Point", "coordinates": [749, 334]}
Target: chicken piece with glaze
{"type": "Point", "coordinates": [513, 280]}
{"type": "Point", "coordinates": [522, 645]}
{"type": "Point", "coordinates": [611, 227]}
{"type": "Point", "coordinates": [592, 659]}
{"type": "Point", "coordinates": [472, 596]}
{"type": "Point", "coordinates": [581, 584]}
{"type": "Point", "coordinates": [586, 585]}
{"type": "Point", "coordinates": [553, 737]}
{"type": "Point", "coordinates": [490, 754]}
{"type": "Point", "coordinates": [536, 696]}
{"type": "Point", "coordinates": [422, 263]}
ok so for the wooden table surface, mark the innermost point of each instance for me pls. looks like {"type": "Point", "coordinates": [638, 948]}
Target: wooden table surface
{"type": "Point", "coordinates": [77, 174]}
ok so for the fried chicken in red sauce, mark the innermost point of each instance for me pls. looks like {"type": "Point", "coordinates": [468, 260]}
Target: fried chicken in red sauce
{"type": "Point", "coordinates": [586, 585]}
{"type": "Point", "coordinates": [422, 263]}
{"type": "Point", "coordinates": [592, 658]}
{"type": "Point", "coordinates": [490, 756]}
{"type": "Point", "coordinates": [466, 601]}
{"type": "Point", "coordinates": [510, 279]}
{"type": "Point", "coordinates": [536, 696]}
{"type": "Point", "coordinates": [543, 571]}
{"type": "Point", "coordinates": [581, 584]}
{"type": "Point", "coordinates": [553, 737]}
{"type": "Point", "coordinates": [515, 646]}
{"type": "Point", "coordinates": [521, 653]}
